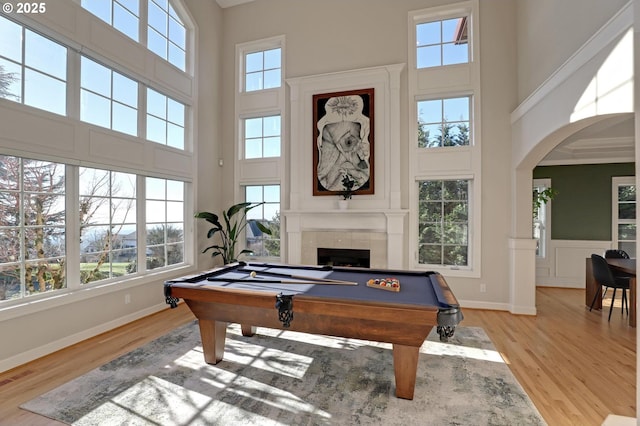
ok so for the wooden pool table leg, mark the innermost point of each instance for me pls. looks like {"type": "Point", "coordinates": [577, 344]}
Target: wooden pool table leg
{"type": "Point", "coordinates": [248, 330]}
{"type": "Point", "coordinates": [405, 366]}
{"type": "Point", "coordinates": [213, 334]}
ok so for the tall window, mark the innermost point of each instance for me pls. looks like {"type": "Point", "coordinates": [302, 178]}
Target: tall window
{"type": "Point", "coordinates": [269, 215]}
{"type": "Point", "coordinates": [624, 214]}
{"type": "Point", "coordinates": [443, 222]}
{"type": "Point", "coordinates": [444, 122]}
{"type": "Point", "coordinates": [165, 120]}
{"type": "Point", "coordinates": [166, 34]}
{"type": "Point", "coordinates": [123, 15]}
{"type": "Point", "coordinates": [33, 68]}
{"type": "Point", "coordinates": [165, 222]}
{"type": "Point", "coordinates": [107, 224]}
{"type": "Point", "coordinates": [263, 70]}
{"type": "Point", "coordinates": [32, 227]}
{"type": "Point", "coordinates": [541, 216]}
{"type": "Point", "coordinates": [108, 98]}
{"type": "Point", "coordinates": [262, 137]}
{"type": "Point", "coordinates": [442, 42]}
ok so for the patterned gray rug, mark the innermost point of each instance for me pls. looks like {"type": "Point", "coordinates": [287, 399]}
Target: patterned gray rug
{"type": "Point", "coordinates": [286, 378]}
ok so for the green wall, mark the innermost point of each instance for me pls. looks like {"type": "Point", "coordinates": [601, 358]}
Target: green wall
{"type": "Point", "coordinates": [582, 208]}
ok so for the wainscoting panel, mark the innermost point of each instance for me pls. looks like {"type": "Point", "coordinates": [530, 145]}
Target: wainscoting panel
{"type": "Point", "coordinates": [565, 262]}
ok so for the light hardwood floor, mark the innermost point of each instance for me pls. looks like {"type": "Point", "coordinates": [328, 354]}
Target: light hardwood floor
{"type": "Point", "coordinates": [576, 367]}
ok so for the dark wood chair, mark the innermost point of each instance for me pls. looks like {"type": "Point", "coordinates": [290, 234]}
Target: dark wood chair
{"type": "Point", "coordinates": [603, 276]}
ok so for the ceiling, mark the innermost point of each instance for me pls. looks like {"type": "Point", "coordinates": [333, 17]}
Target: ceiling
{"type": "Point", "coordinates": [610, 141]}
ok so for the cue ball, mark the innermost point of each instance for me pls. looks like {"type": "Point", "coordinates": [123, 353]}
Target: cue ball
{"type": "Point", "coordinates": [253, 274]}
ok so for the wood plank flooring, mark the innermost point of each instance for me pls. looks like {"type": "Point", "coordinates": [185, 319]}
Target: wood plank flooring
{"type": "Point", "coordinates": [576, 367]}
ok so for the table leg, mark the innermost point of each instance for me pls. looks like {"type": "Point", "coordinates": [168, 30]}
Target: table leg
{"type": "Point", "coordinates": [632, 301]}
{"type": "Point", "coordinates": [592, 287]}
{"type": "Point", "coordinates": [213, 335]}
{"type": "Point", "coordinates": [248, 330]}
{"type": "Point", "coordinates": [405, 366]}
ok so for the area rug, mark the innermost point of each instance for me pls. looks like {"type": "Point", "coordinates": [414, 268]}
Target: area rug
{"type": "Point", "coordinates": [287, 378]}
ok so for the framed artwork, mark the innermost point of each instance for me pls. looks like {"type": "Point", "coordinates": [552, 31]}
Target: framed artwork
{"type": "Point", "coordinates": [343, 142]}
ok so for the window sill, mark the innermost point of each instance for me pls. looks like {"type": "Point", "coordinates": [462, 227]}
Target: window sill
{"type": "Point", "coordinates": [37, 303]}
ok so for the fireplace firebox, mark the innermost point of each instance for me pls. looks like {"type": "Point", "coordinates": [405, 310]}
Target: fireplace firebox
{"type": "Point", "coordinates": [344, 257]}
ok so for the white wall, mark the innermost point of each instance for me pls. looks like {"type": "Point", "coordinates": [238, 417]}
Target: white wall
{"type": "Point", "coordinates": [551, 31]}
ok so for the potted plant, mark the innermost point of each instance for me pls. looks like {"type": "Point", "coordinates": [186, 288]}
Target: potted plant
{"type": "Point", "coordinates": [235, 222]}
{"type": "Point", "coordinates": [348, 183]}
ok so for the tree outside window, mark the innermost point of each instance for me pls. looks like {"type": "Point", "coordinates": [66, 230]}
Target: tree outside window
{"type": "Point", "coordinates": [444, 122]}
{"type": "Point", "coordinates": [32, 227]}
{"type": "Point", "coordinates": [268, 213]}
{"type": "Point", "coordinates": [443, 222]}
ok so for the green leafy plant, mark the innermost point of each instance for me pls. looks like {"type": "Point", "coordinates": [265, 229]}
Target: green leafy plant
{"type": "Point", "coordinates": [235, 222]}
{"type": "Point", "coordinates": [348, 183]}
{"type": "Point", "coordinates": [541, 197]}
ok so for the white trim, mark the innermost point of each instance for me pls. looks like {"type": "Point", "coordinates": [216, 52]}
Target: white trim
{"type": "Point", "coordinates": [10, 309]}
{"type": "Point", "coordinates": [617, 181]}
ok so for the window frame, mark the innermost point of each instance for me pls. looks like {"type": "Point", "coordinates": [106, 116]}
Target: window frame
{"type": "Point", "coordinates": [23, 194]}
{"type": "Point", "coordinates": [168, 122]}
{"type": "Point", "coordinates": [443, 99]}
{"type": "Point", "coordinates": [253, 212]}
{"type": "Point", "coordinates": [466, 9]}
{"type": "Point", "coordinates": [264, 45]}
{"type": "Point", "coordinates": [73, 252]}
{"type": "Point", "coordinates": [111, 22]}
{"type": "Point", "coordinates": [262, 136]}
{"type": "Point", "coordinates": [471, 221]}
{"type": "Point", "coordinates": [545, 230]}
{"type": "Point", "coordinates": [22, 65]}
{"type": "Point", "coordinates": [443, 44]}
{"type": "Point", "coordinates": [169, 41]}
{"type": "Point", "coordinates": [113, 102]}
{"type": "Point", "coordinates": [616, 182]}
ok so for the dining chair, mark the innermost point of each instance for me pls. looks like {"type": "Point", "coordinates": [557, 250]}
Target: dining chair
{"type": "Point", "coordinates": [603, 276]}
{"type": "Point", "coordinates": [616, 254]}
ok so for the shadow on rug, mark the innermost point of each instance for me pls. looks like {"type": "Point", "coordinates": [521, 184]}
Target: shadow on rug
{"type": "Point", "coordinates": [281, 378]}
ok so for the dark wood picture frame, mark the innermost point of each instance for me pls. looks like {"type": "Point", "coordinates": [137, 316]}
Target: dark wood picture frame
{"type": "Point", "coordinates": [343, 141]}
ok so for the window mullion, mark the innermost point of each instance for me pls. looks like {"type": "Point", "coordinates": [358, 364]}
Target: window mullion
{"type": "Point", "coordinates": [72, 227]}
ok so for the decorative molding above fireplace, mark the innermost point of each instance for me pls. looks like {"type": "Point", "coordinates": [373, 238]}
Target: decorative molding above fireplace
{"type": "Point", "coordinates": [377, 218]}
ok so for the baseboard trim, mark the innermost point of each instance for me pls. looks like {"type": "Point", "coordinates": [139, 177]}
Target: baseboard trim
{"type": "Point", "coordinates": [30, 355]}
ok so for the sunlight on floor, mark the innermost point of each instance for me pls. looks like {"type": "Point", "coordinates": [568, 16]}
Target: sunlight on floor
{"type": "Point", "coordinates": [448, 349]}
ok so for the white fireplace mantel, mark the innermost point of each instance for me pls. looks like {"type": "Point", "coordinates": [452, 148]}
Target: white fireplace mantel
{"type": "Point", "coordinates": [357, 229]}
{"type": "Point", "coordinates": [375, 220]}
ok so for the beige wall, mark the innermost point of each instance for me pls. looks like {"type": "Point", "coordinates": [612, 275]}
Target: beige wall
{"type": "Point", "coordinates": [46, 326]}
{"type": "Point", "coordinates": [550, 31]}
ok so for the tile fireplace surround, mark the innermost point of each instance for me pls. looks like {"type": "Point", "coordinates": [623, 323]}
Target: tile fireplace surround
{"type": "Point", "coordinates": [381, 232]}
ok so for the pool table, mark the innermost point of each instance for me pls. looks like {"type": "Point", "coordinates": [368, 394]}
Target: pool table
{"type": "Point", "coordinates": [325, 300]}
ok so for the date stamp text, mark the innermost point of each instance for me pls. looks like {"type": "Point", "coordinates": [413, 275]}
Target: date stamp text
{"type": "Point", "coordinates": [24, 7]}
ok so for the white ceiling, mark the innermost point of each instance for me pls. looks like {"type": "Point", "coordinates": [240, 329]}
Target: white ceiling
{"type": "Point", "coordinates": [610, 141]}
